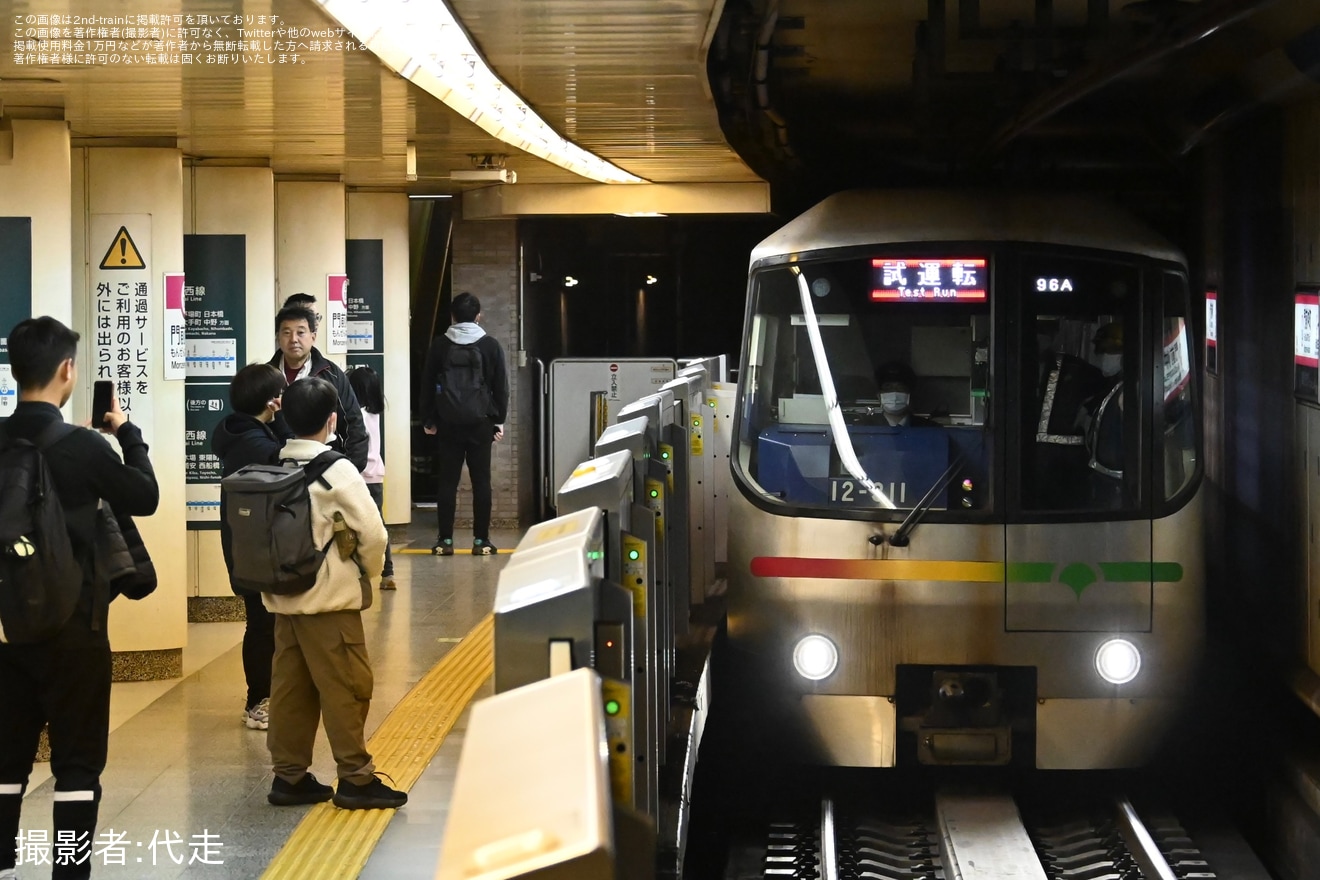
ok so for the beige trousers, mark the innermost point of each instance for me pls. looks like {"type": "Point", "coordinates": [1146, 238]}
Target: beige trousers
{"type": "Point", "coordinates": [320, 671]}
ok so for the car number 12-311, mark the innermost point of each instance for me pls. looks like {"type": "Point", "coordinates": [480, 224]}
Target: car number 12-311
{"type": "Point", "coordinates": [849, 491]}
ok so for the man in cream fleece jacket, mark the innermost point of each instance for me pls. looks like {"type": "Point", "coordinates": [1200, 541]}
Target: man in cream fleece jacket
{"type": "Point", "coordinates": [321, 669]}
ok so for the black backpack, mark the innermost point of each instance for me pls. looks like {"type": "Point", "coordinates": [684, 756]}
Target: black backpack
{"type": "Point", "coordinates": [461, 396]}
{"type": "Point", "coordinates": [40, 580]}
{"type": "Point", "coordinates": [269, 513]}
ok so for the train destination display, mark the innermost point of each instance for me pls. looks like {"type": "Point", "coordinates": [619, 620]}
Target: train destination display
{"type": "Point", "coordinates": [920, 279]}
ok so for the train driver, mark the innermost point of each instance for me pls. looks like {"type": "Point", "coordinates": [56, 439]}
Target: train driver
{"type": "Point", "coordinates": [895, 380]}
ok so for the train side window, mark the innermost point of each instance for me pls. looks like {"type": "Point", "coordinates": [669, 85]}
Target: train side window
{"type": "Point", "coordinates": [1180, 425]}
{"type": "Point", "coordinates": [1081, 361]}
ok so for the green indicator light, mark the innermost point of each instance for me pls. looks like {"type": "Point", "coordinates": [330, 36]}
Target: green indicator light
{"type": "Point", "coordinates": [696, 423]}
{"type": "Point", "coordinates": [664, 455]}
{"type": "Point", "coordinates": [612, 707]}
{"type": "Point", "coordinates": [655, 493]}
{"type": "Point", "coordinates": [633, 554]}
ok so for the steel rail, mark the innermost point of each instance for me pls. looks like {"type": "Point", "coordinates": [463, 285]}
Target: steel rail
{"type": "Point", "coordinates": [1140, 842]}
{"type": "Point", "coordinates": [829, 851]}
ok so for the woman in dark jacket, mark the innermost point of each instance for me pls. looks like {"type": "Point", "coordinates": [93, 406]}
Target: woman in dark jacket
{"type": "Point", "coordinates": [244, 438]}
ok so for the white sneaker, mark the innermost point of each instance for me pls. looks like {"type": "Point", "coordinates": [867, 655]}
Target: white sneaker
{"type": "Point", "coordinates": [256, 718]}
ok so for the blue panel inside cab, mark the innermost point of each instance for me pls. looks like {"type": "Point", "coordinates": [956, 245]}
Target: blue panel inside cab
{"type": "Point", "coordinates": [794, 463]}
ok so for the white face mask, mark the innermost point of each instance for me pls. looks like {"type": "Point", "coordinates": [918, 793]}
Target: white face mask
{"type": "Point", "coordinates": [1111, 364]}
{"type": "Point", "coordinates": [894, 402]}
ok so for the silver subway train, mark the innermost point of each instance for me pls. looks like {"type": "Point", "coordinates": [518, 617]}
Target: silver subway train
{"type": "Point", "coordinates": [966, 522]}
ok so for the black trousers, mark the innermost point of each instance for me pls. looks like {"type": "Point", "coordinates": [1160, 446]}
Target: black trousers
{"type": "Point", "coordinates": [258, 648]}
{"type": "Point", "coordinates": [65, 683]}
{"type": "Point", "coordinates": [451, 451]}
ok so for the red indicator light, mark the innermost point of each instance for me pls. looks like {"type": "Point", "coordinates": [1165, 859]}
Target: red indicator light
{"type": "Point", "coordinates": [609, 643]}
{"type": "Point", "coordinates": [914, 262]}
{"type": "Point", "coordinates": [915, 295]}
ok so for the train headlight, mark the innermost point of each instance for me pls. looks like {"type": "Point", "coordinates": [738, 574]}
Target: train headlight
{"type": "Point", "coordinates": [815, 657]}
{"type": "Point", "coordinates": [1118, 661]}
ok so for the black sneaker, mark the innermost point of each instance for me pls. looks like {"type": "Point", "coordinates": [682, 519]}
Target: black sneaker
{"type": "Point", "coordinates": [305, 791]}
{"type": "Point", "coordinates": [375, 795]}
{"type": "Point", "coordinates": [443, 547]}
{"type": "Point", "coordinates": [482, 547]}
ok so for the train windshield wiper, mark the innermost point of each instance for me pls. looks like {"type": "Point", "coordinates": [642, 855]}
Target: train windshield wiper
{"type": "Point", "coordinates": [833, 413]}
{"type": "Point", "coordinates": [900, 536]}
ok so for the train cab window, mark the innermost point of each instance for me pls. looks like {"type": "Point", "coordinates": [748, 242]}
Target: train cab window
{"type": "Point", "coordinates": [1080, 391]}
{"type": "Point", "coordinates": [1179, 440]}
{"type": "Point", "coordinates": [867, 385]}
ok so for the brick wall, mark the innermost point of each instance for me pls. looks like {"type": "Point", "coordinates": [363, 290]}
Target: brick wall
{"type": "Point", "coordinates": [486, 264]}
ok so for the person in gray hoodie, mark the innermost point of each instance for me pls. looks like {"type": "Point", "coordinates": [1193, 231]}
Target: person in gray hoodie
{"type": "Point", "coordinates": [467, 439]}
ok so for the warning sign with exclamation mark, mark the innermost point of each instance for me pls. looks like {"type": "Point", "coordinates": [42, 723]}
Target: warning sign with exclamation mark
{"type": "Point", "coordinates": [125, 311]}
{"type": "Point", "coordinates": [123, 254]}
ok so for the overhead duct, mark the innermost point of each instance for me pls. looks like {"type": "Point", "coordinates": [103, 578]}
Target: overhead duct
{"type": "Point", "coordinates": [761, 81]}
{"type": "Point", "coordinates": [1208, 19]}
{"type": "Point", "coordinates": [1278, 77]}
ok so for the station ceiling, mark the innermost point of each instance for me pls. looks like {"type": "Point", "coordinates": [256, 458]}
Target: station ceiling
{"type": "Point", "coordinates": [806, 94]}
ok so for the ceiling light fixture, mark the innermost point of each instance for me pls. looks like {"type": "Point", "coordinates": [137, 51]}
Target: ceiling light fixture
{"type": "Point", "coordinates": [425, 44]}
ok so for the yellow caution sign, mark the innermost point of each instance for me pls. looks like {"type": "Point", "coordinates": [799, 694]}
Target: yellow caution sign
{"type": "Point", "coordinates": [696, 438]}
{"type": "Point", "coordinates": [123, 254]}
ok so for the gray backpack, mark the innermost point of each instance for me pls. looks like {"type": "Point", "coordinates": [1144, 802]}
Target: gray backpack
{"type": "Point", "coordinates": [269, 513]}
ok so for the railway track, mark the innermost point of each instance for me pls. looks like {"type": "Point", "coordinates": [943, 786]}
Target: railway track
{"type": "Point", "coordinates": [958, 835]}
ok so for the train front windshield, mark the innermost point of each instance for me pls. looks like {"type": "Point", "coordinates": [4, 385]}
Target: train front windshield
{"type": "Point", "coordinates": [882, 383]}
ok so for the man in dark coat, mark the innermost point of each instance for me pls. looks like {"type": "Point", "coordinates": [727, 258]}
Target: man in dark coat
{"type": "Point", "coordinates": [295, 332]}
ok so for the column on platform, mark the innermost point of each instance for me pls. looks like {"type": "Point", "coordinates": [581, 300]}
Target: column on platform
{"type": "Point", "coordinates": [378, 269]}
{"type": "Point", "coordinates": [309, 251]}
{"type": "Point", "coordinates": [486, 265]}
{"type": "Point", "coordinates": [229, 255]}
{"type": "Point", "coordinates": [34, 232]}
{"type": "Point", "coordinates": [128, 221]}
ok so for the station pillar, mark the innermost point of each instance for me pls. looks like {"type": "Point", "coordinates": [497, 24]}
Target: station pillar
{"type": "Point", "coordinates": [35, 229]}
{"type": "Point", "coordinates": [309, 247]}
{"type": "Point", "coordinates": [229, 249]}
{"type": "Point", "coordinates": [486, 265]}
{"type": "Point", "coordinates": [378, 268]}
{"type": "Point", "coordinates": [127, 232]}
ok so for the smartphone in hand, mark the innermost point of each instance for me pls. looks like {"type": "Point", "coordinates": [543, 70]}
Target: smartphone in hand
{"type": "Point", "coordinates": [102, 402]}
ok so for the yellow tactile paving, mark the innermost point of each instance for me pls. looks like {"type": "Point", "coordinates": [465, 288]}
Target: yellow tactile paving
{"type": "Point", "coordinates": [402, 746]}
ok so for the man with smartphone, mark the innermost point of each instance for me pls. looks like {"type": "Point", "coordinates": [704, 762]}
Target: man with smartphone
{"type": "Point", "coordinates": [64, 681]}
